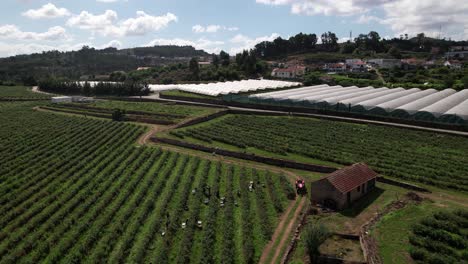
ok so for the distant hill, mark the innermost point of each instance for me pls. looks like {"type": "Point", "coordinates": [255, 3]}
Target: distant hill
{"type": "Point", "coordinates": [90, 61]}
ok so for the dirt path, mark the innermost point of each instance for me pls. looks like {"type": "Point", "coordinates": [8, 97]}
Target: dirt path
{"type": "Point", "coordinates": [35, 89]}
{"type": "Point", "coordinates": [282, 233]}
{"type": "Point", "coordinates": [144, 139]}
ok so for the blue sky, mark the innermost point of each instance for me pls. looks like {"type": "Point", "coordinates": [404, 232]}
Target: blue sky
{"type": "Point", "coordinates": [34, 25]}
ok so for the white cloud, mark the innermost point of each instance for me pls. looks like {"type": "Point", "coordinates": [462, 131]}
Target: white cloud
{"type": "Point", "coordinates": [198, 29]}
{"type": "Point", "coordinates": [212, 28]}
{"type": "Point", "coordinates": [86, 20]}
{"type": "Point", "coordinates": [246, 43]}
{"type": "Point", "coordinates": [112, 44]}
{"type": "Point", "coordinates": [326, 7]}
{"type": "Point", "coordinates": [106, 24]}
{"type": "Point", "coordinates": [428, 16]}
{"type": "Point", "coordinates": [212, 46]}
{"type": "Point", "coordinates": [107, 1]}
{"type": "Point", "coordinates": [46, 11]}
{"type": "Point", "coordinates": [8, 49]}
{"type": "Point", "coordinates": [366, 19]}
{"type": "Point", "coordinates": [401, 16]}
{"type": "Point", "coordinates": [14, 33]}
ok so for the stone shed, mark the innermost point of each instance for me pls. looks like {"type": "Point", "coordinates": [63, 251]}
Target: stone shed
{"type": "Point", "coordinates": [343, 187]}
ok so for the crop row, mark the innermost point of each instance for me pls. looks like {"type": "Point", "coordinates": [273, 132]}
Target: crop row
{"type": "Point", "coordinates": [411, 155]}
{"type": "Point", "coordinates": [441, 238]}
{"type": "Point", "coordinates": [82, 192]}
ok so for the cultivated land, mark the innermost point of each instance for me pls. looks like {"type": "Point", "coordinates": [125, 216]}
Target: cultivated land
{"type": "Point", "coordinates": [156, 113]}
{"type": "Point", "coordinates": [10, 93]}
{"type": "Point", "coordinates": [79, 189]}
{"type": "Point", "coordinates": [421, 157]}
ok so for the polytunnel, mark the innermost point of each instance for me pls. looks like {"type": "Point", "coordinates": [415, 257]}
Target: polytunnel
{"type": "Point", "coordinates": [364, 106]}
{"type": "Point", "coordinates": [387, 107]}
{"type": "Point", "coordinates": [405, 111]}
{"type": "Point", "coordinates": [361, 91]}
{"type": "Point", "coordinates": [275, 99]}
{"type": "Point", "coordinates": [456, 115]}
{"type": "Point", "coordinates": [281, 93]}
{"type": "Point", "coordinates": [345, 105]}
{"type": "Point", "coordinates": [300, 97]}
{"type": "Point", "coordinates": [437, 109]}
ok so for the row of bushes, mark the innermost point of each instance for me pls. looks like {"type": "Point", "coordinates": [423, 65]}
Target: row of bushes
{"type": "Point", "coordinates": [441, 238]}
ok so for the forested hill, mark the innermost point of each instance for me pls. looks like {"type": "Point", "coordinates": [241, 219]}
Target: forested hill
{"type": "Point", "coordinates": [90, 61]}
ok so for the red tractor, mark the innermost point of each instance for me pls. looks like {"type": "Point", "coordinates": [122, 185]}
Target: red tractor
{"type": "Point", "coordinates": [301, 187]}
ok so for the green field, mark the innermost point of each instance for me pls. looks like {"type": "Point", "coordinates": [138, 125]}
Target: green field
{"type": "Point", "coordinates": [422, 157]}
{"type": "Point", "coordinates": [79, 190]}
{"type": "Point", "coordinates": [143, 112]}
{"type": "Point", "coordinates": [184, 111]}
{"type": "Point", "coordinates": [441, 238]}
{"type": "Point", "coordinates": [394, 233]}
{"type": "Point", "coordinates": [19, 93]}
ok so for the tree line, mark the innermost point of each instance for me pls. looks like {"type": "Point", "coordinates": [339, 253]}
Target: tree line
{"type": "Point", "coordinates": [128, 88]}
{"type": "Point", "coordinates": [371, 42]}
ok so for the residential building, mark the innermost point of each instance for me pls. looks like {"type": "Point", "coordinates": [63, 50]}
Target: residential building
{"type": "Point", "coordinates": [453, 64]}
{"type": "Point", "coordinates": [61, 99]}
{"type": "Point", "coordinates": [289, 72]}
{"type": "Point", "coordinates": [343, 187]}
{"type": "Point", "coordinates": [334, 67]}
{"type": "Point", "coordinates": [385, 63]}
{"type": "Point", "coordinates": [355, 65]}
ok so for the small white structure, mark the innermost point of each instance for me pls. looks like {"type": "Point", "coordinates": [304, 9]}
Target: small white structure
{"type": "Point", "coordinates": [61, 99]}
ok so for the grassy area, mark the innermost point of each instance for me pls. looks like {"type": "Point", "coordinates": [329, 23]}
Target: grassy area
{"type": "Point", "coordinates": [417, 156]}
{"type": "Point", "coordinates": [19, 92]}
{"type": "Point", "coordinates": [169, 109]}
{"type": "Point", "coordinates": [189, 95]}
{"type": "Point", "coordinates": [392, 232]}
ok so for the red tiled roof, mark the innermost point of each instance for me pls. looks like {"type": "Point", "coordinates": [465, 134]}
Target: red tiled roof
{"type": "Point", "coordinates": [351, 177]}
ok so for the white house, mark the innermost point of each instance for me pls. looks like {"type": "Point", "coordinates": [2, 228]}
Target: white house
{"type": "Point", "coordinates": [355, 65]}
{"type": "Point", "coordinates": [61, 99]}
{"type": "Point", "coordinates": [385, 63]}
{"type": "Point", "coordinates": [335, 67]}
{"type": "Point", "coordinates": [453, 64]}
{"type": "Point", "coordinates": [288, 73]}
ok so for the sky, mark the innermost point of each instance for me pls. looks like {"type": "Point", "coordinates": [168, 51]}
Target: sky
{"type": "Point", "coordinates": [28, 26]}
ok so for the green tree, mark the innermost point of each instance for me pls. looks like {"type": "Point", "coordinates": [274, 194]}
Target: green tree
{"type": "Point", "coordinates": [449, 81]}
{"type": "Point", "coordinates": [465, 82]}
{"type": "Point", "coordinates": [194, 68]}
{"type": "Point", "coordinates": [118, 115]}
{"type": "Point", "coordinates": [313, 236]}
{"type": "Point", "coordinates": [348, 48]}
{"type": "Point", "coordinates": [215, 60]}
{"type": "Point", "coordinates": [395, 52]}
{"type": "Point", "coordinates": [225, 59]}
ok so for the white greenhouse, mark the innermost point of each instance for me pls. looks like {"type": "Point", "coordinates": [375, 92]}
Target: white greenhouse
{"type": "Point", "coordinates": [223, 88]}
{"type": "Point", "coordinates": [448, 106]}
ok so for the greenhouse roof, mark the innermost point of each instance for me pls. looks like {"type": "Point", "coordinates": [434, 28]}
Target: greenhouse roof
{"type": "Point", "coordinates": [429, 103]}
{"type": "Point", "coordinates": [219, 88]}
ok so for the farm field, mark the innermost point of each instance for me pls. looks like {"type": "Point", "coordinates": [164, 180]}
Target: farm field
{"type": "Point", "coordinates": [79, 190]}
{"type": "Point", "coordinates": [422, 157]}
{"type": "Point", "coordinates": [146, 112]}
{"type": "Point", "coordinates": [441, 238]}
{"type": "Point", "coordinates": [8, 93]}
{"type": "Point", "coordinates": [409, 231]}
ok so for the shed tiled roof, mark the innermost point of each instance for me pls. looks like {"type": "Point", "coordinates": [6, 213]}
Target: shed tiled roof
{"type": "Point", "coordinates": [351, 177]}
